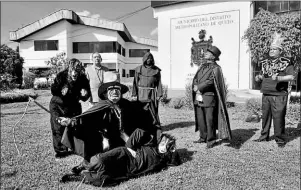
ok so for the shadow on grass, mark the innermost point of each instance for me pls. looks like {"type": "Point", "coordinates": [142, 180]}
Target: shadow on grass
{"type": "Point", "coordinates": [292, 133]}
{"type": "Point", "coordinates": [177, 125]}
{"type": "Point", "coordinates": [9, 174]}
{"type": "Point", "coordinates": [185, 155]}
{"type": "Point", "coordinates": [240, 136]}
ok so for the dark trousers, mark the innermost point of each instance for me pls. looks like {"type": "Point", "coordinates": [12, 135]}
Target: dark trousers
{"type": "Point", "coordinates": [273, 107]}
{"type": "Point", "coordinates": [59, 109]}
{"type": "Point", "coordinates": [205, 124]}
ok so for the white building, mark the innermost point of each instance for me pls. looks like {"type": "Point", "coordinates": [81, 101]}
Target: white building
{"type": "Point", "coordinates": [79, 36]}
{"type": "Point", "coordinates": [226, 22]}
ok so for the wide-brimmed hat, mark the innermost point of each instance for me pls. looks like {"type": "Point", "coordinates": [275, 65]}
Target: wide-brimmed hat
{"type": "Point", "coordinates": [111, 79]}
{"type": "Point", "coordinates": [215, 51]}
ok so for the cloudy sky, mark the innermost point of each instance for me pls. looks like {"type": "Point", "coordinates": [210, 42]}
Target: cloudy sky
{"type": "Point", "coordinates": [14, 15]}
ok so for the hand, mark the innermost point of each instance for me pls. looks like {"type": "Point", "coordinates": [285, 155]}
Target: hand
{"type": "Point", "coordinates": [64, 121]}
{"type": "Point", "coordinates": [274, 77]}
{"type": "Point", "coordinates": [134, 98]}
{"type": "Point", "coordinates": [83, 92]}
{"type": "Point", "coordinates": [133, 153]}
{"type": "Point", "coordinates": [195, 88]}
{"type": "Point", "coordinates": [64, 91]}
{"type": "Point", "coordinates": [258, 78]}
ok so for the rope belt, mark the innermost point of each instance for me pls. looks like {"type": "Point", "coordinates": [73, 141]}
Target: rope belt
{"type": "Point", "coordinates": [148, 88]}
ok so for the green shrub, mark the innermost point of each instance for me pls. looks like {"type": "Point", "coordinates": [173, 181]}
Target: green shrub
{"type": "Point", "coordinates": [295, 99]}
{"type": "Point", "coordinates": [11, 65]}
{"type": "Point", "coordinates": [177, 103]}
{"type": "Point", "coordinates": [253, 106]}
{"type": "Point", "coordinates": [28, 80]}
{"type": "Point", "coordinates": [17, 96]}
{"type": "Point", "coordinates": [165, 100]}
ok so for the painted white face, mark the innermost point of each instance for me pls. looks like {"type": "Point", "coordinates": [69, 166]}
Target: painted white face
{"type": "Point", "coordinates": [164, 145]}
{"type": "Point", "coordinates": [114, 93]}
{"type": "Point", "coordinates": [209, 56]}
{"type": "Point", "coordinates": [74, 75]}
{"type": "Point", "coordinates": [96, 59]}
{"type": "Point", "coordinates": [274, 52]}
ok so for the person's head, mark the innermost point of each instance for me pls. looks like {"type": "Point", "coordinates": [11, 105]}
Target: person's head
{"type": "Point", "coordinates": [148, 59]}
{"type": "Point", "coordinates": [167, 144]}
{"type": "Point", "coordinates": [212, 54]}
{"type": "Point", "coordinates": [111, 89]}
{"type": "Point", "coordinates": [75, 67]}
{"type": "Point", "coordinates": [96, 59]}
{"type": "Point", "coordinates": [276, 45]}
{"type": "Point", "coordinates": [275, 52]}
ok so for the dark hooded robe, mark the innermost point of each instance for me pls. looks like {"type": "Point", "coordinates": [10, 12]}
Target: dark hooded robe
{"type": "Point", "coordinates": [107, 120]}
{"type": "Point", "coordinates": [210, 80]}
{"type": "Point", "coordinates": [147, 84]}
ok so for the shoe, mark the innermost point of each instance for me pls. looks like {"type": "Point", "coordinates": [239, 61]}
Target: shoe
{"type": "Point", "coordinates": [63, 154]}
{"type": "Point", "coordinates": [281, 145]}
{"type": "Point", "coordinates": [71, 177]}
{"type": "Point", "coordinates": [261, 140]}
{"type": "Point", "coordinates": [211, 144]}
{"type": "Point", "coordinates": [199, 141]}
{"type": "Point", "coordinates": [77, 169]}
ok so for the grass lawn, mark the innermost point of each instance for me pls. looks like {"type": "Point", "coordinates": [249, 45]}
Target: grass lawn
{"type": "Point", "coordinates": [240, 164]}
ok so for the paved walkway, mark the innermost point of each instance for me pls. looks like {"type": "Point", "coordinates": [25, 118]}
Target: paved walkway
{"type": "Point", "coordinates": [238, 96]}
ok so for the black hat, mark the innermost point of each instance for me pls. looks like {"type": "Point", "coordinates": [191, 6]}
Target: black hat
{"type": "Point", "coordinates": [215, 51]}
{"type": "Point", "coordinates": [111, 79]}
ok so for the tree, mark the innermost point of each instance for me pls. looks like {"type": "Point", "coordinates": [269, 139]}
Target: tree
{"type": "Point", "coordinates": [58, 62]}
{"type": "Point", "coordinates": [11, 65]}
{"type": "Point", "coordinates": [261, 29]}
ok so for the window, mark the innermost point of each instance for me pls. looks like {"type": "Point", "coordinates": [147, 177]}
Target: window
{"type": "Point", "coordinates": [90, 47]}
{"type": "Point", "coordinates": [123, 51]}
{"type": "Point", "coordinates": [123, 72]}
{"type": "Point", "coordinates": [46, 45]}
{"type": "Point", "coordinates": [132, 73]}
{"type": "Point", "coordinates": [277, 6]}
{"type": "Point", "coordinates": [137, 52]}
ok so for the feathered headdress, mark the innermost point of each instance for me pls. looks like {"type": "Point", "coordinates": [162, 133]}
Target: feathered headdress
{"type": "Point", "coordinates": [277, 40]}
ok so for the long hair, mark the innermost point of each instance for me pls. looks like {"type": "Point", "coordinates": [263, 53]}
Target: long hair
{"type": "Point", "coordinates": [75, 65]}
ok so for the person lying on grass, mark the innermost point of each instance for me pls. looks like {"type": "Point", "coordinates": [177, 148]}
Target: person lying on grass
{"type": "Point", "coordinates": [140, 156]}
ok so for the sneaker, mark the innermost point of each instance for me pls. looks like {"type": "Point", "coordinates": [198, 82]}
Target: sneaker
{"type": "Point", "coordinates": [77, 169]}
{"type": "Point", "coordinates": [71, 177]}
{"type": "Point", "coordinates": [63, 154]}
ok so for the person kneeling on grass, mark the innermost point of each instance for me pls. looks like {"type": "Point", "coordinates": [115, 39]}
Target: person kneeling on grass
{"type": "Point", "coordinates": [140, 156]}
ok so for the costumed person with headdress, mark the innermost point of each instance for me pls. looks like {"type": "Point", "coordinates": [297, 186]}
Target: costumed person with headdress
{"type": "Point", "coordinates": [209, 99]}
{"type": "Point", "coordinates": [107, 124]}
{"type": "Point", "coordinates": [147, 84]}
{"type": "Point", "coordinates": [69, 87]}
{"type": "Point", "coordinates": [276, 72]}
{"type": "Point", "coordinates": [140, 156]}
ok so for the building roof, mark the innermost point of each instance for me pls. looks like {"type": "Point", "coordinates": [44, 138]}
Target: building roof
{"type": "Point", "coordinates": [156, 4]}
{"type": "Point", "coordinates": [74, 18]}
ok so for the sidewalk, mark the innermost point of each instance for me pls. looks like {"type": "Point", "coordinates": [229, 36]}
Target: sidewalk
{"type": "Point", "coordinates": [237, 95]}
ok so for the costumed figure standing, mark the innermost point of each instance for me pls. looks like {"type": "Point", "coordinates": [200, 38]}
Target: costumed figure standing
{"type": "Point", "coordinates": [209, 100]}
{"type": "Point", "coordinates": [69, 87]}
{"type": "Point", "coordinates": [147, 86]}
{"type": "Point", "coordinates": [276, 72]}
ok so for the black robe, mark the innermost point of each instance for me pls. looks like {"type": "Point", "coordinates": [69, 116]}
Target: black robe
{"type": "Point", "coordinates": [118, 164]}
{"type": "Point", "coordinates": [222, 122]}
{"type": "Point", "coordinates": [100, 121]}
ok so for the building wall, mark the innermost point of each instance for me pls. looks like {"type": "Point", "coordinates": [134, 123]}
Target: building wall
{"type": "Point", "coordinates": [224, 21]}
{"type": "Point", "coordinates": [57, 31]}
{"type": "Point", "coordinates": [68, 33]}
